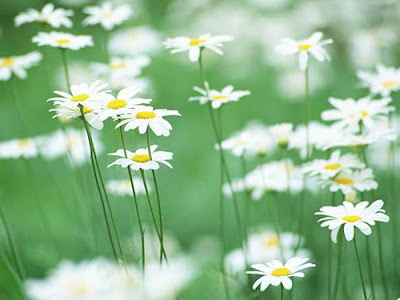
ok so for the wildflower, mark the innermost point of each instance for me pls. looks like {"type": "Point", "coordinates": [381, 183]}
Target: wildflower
{"type": "Point", "coordinates": [329, 168]}
{"type": "Point", "coordinates": [361, 216]}
{"type": "Point", "coordinates": [17, 148]}
{"type": "Point", "coordinates": [348, 181]}
{"type": "Point", "coordinates": [144, 117]}
{"type": "Point", "coordinates": [276, 273]}
{"type": "Point", "coordinates": [385, 81]}
{"type": "Point", "coordinates": [195, 45]}
{"type": "Point", "coordinates": [126, 66]}
{"type": "Point", "coordinates": [350, 113]}
{"type": "Point", "coordinates": [106, 15]}
{"type": "Point", "coordinates": [18, 65]}
{"type": "Point", "coordinates": [124, 188]}
{"type": "Point", "coordinates": [282, 133]}
{"type": "Point", "coordinates": [63, 40]}
{"type": "Point", "coordinates": [313, 45]}
{"type": "Point", "coordinates": [141, 160]}
{"type": "Point", "coordinates": [217, 98]}
{"type": "Point", "coordinates": [123, 104]}
{"type": "Point", "coordinates": [55, 17]}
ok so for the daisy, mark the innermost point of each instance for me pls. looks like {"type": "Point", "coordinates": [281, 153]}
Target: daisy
{"type": "Point", "coordinates": [195, 45]}
{"type": "Point", "coordinates": [276, 273]}
{"type": "Point", "coordinates": [313, 45]}
{"type": "Point", "coordinates": [351, 113]}
{"type": "Point", "coordinates": [106, 15]}
{"type": "Point", "coordinates": [385, 81]}
{"type": "Point", "coordinates": [144, 117]}
{"type": "Point", "coordinates": [18, 65]}
{"type": "Point", "coordinates": [348, 181]}
{"type": "Point", "coordinates": [63, 40]}
{"type": "Point", "coordinates": [281, 133]}
{"type": "Point", "coordinates": [329, 168]}
{"type": "Point", "coordinates": [124, 188]}
{"type": "Point", "coordinates": [82, 94]}
{"type": "Point", "coordinates": [55, 17]}
{"type": "Point", "coordinates": [123, 104]}
{"type": "Point", "coordinates": [127, 66]}
{"type": "Point", "coordinates": [217, 98]}
{"type": "Point", "coordinates": [141, 160]}
{"type": "Point", "coordinates": [361, 216]}
{"type": "Point", "coordinates": [17, 148]}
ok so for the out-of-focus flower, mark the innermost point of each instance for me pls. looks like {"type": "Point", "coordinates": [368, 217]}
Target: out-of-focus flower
{"type": "Point", "coordinates": [18, 65]}
{"type": "Point", "coordinates": [106, 15]}
{"type": "Point", "coordinates": [350, 113]}
{"type": "Point", "coordinates": [282, 133]}
{"type": "Point", "coordinates": [124, 188]}
{"type": "Point", "coordinates": [361, 216]}
{"type": "Point", "coordinates": [17, 148]}
{"type": "Point", "coordinates": [126, 66]}
{"type": "Point", "coordinates": [63, 40]}
{"type": "Point", "coordinates": [141, 160]}
{"type": "Point", "coordinates": [144, 117]}
{"type": "Point", "coordinates": [313, 45]}
{"type": "Point", "coordinates": [55, 17]}
{"type": "Point", "coordinates": [217, 98]}
{"type": "Point", "coordinates": [195, 45]}
{"type": "Point", "coordinates": [385, 81]}
{"type": "Point", "coordinates": [276, 273]}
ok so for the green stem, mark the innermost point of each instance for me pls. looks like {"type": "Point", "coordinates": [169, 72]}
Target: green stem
{"type": "Point", "coordinates": [281, 292]}
{"type": "Point", "coordinates": [381, 264]}
{"type": "Point", "coordinates": [338, 269]}
{"type": "Point", "coordinates": [307, 112]}
{"type": "Point", "coordinates": [135, 202]}
{"type": "Point", "coordinates": [370, 274]}
{"type": "Point", "coordinates": [360, 268]}
{"type": "Point", "coordinates": [106, 50]}
{"type": "Point", "coordinates": [65, 62]}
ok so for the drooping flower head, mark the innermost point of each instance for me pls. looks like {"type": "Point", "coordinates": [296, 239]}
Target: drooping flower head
{"type": "Point", "coordinates": [55, 17]}
{"type": "Point", "coordinates": [106, 15]}
{"type": "Point", "coordinates": [63, 40]}
{"type": "Point", "coordinates": [18, 65]}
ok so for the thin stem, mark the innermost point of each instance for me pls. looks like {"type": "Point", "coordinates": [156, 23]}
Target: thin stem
{"type": "Point", "coordinates": [281, 292]}
{"type": "Point", "coordinates": [338, 269]}
{"type": "Point", "coordinates": [307, 112]}
{"type": "Point", "coordinates": [135, 202]}
{"type": "Point", "coordinates": [106, 50]}
{"type": "Point", "coordinates": [65, 62]}
{"type": "Point", "coordinates": [360, 268]}
{"type": "Point", "coordinates": [381, 264]}
{"type": "Point", "coordinates": [153, 215]}
{"type": "Point", "coordinates": [160, 216]}
{"type": "Point", "coordinates": [370, 274]}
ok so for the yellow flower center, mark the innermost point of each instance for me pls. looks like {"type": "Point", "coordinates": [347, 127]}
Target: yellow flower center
{"type": "Point", "coordinates": [62, 41]}
{"type": "Point", "coordinates": [87, 110]}
{"type": "Point", "coordinates": [141, 158]}
{"type": "Point", "coordinates": [7, 62]}
{"type": "Point", "coordinates": [344, 181]}
{"type": "Point", "coordinates": [389, 83]}
{"type": "Point", "coordinates": [80, 289]}
{"type": "Point", "coordinates": [196, 42]}
{"type": "Point", "coordinates": [364, 113]}
{"type": "Point", "coordinates": [351, 219]}
{"type": "Point", "coordinates": [281, 272]}
{"type": "Point", "coordinates": [219, 97]}
{"type": "Point", "coordinates": [146, 115]}
{"type": "Point", "coordinates": [117, 103]}
{"type": "Point", "coordinates": [80, 97]}
{"type": "Point", "coordinates": [272, 241]}
{"type": "Point", "coordinates": [304, 46]}
{"type": "Point", "coordinates": [117, 66]}
{"type": "Point", "coordinates": [24, 143]}
{"type": "Point", "coordinates": [332, 167]}
{"type": "Point", "coordinates": [106, 15]}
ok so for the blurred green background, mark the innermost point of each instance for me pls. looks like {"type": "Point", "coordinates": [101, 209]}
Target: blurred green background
{"type": "Point", "coordinates": [51, 220]}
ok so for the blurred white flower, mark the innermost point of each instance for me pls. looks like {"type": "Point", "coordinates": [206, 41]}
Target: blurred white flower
{"type": "Point", "coordinates": [282, 133]}
{"type": "Point", "coordinates": [63, 40]}
{"type": "Point", "coordinates": [126, 66]}
{"type": "Point", "coordinates": [144, 117]}
{"type": "Point", "coordinates": [18, 65]}
{"type": "Point", "coordinates": [385, 81]}
{"type": "Point", "coordinates": [217, 98]}
{"type": "Point", "coordinates": [55, 17]}
{"type": "Point", "coordinates": [276, 273]}
{"type": "Point", "coordinates": [141, 160]}
{"type": "Point", "coordinates": [19, 148]}
{"type": "Point", "coordinates": [106, 15]}
{"type": "Point", "coordinates": [313, 45]}
{"type": "Point", "coordinates": [196, 45]}
{"type": "Point", "coordinates": [124, 188]}
{"type": "Point", "coordinates": [361, 216]}
{"type": "Point", "coordinates": [78, 72]}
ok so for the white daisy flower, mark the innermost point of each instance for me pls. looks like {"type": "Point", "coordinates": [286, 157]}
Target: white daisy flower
{"type": "Point", "coordinates": [140, 159]}
{"type": "Point", "coordinates": [55, 17]}
{"type": "Point", "coordinates": [106, 15]}
{"type": "Point", "coordinates": [385, 81]}
{"type": "Point", "coordinates": [313, 45]}
{"type": "Point", "coordinates": [276, 273]}
{"type": "Point", "coordinates": [124, 188]}
{"type": "Point", "coordinates": [328, 168]}
{"type": "Point", "coordinates": [348, 181]}
{"type": "Point", "coordinates": [63, 40]}
{"type": "Point", "coordinates": [195, 45]}
{"type": "Point", "coordinates": [144, 117]}
{"type": "Point", "coordinates": [282, 133]}
{"type": "Point", "coordinates": [217, 98]}
{"type": "Point", "coordinates": [17, 148]}
{"type": "Point", "coordinates": [351, 113]}
{"type": "Point", "coordinates": [126, 66]}
{"type": "Point", "coordinates": [120, 106]}
{"type": "Point", "coordinates": [18, 65]}
{"type": "Point", "coordinates": [361, 216]}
